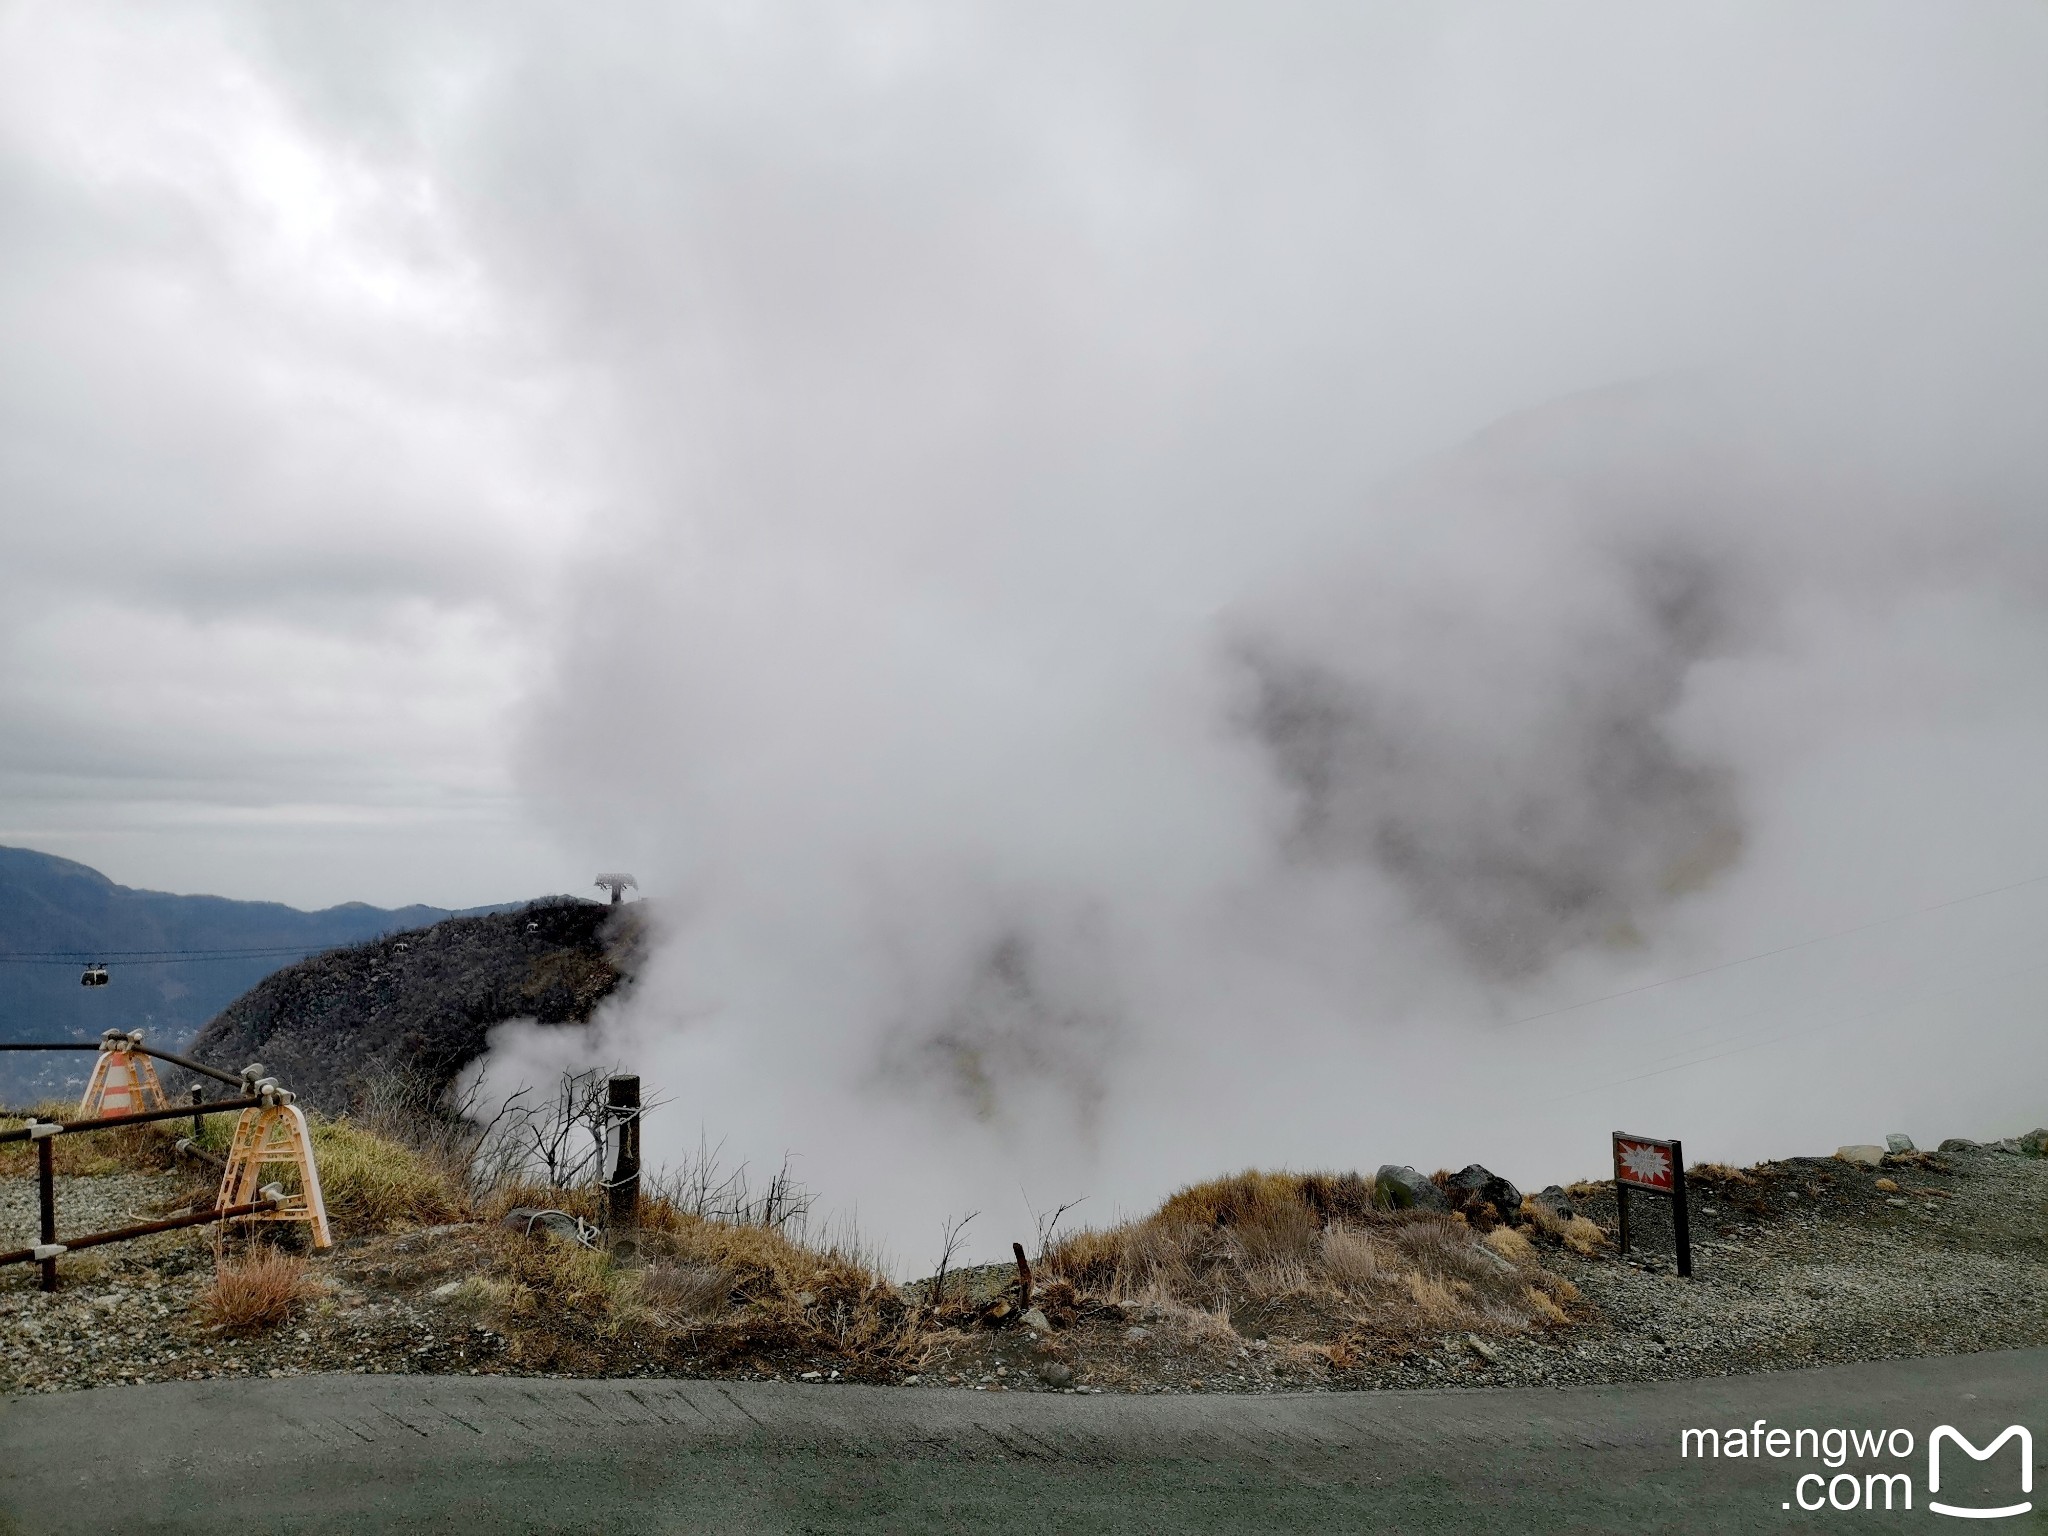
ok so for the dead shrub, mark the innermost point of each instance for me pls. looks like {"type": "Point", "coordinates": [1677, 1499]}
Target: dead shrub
{"type": "Point", "coordinates": [1578, 1233]}
{"type": "Point", "coordinates": [1718, 1173]}
{"type": "Point", "coordinates": [734, 1291]}
{"type": "Point", "coordinates": [1275, 1202]}
{"type": "Point", "coordinates": [1090, 1259]}
{"type": "Point", "coordinates": [1436, 1302]}
{"type": "Point", "coordinates": [687, 1290]}
{"type": "Point", "coordinates": [1511, 1245]}
{"type": "Point", "coordinates": [1277, 1279]}
{"type": "Point", "coordinates": [1350, 1258]}
{"type": "Point", "coordinates": [1309, 1251]}
{"type": "Point", "coordinates": [257, 1291]}
{"type": "Point", "coordinates": [1199, 1327]}
{"type": "Point", "coordinates": [1582, 1236]}
{"type": "Point", "coordinates": [1445, 1254]}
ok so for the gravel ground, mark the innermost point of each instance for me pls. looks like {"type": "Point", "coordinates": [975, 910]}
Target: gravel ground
{"type": "Point", "coordinates": [1810, 1264]}
{"type": "Point", "coordinates": [127, 1312]}
{"type": "Point", "coordinates": [1796, 1263]}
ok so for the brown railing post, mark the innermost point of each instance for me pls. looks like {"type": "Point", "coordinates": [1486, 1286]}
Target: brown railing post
{"type": "Point", "coordinates": [46, 1195]}
{"type": "Point", "coordinates": [622, 1189]}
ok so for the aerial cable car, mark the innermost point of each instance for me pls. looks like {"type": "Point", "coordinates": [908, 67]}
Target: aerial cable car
{"type": "Point", "coordinates": [94, 976]}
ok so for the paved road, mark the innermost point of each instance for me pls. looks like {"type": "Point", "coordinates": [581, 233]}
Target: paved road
{"type": "Point", "coordinates": [396, 1453]}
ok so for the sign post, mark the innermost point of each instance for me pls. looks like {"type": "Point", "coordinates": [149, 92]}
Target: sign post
{"type": "Point", "coordinates": [1658, 1168]}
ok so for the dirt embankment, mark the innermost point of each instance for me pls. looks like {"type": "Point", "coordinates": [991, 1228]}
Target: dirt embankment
{"type": "Point", "coordinates": [1796, 1263]}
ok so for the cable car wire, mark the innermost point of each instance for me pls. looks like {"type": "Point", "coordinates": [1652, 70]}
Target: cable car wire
{"type": "Point", "coordinates": [164, 956]}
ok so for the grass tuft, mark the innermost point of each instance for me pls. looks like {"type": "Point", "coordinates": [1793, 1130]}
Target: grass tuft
{"type": "Point", "coordinates": [374, 1183]}
{"type": "Point", "coordinates": [1579, 1233]}
{"type": "Point", "coordinates": [255, 1292]}
{"type": "Point", "coordinates": [146, 1148]}
{"type": "Point", "coordinates": [1259, 1249]}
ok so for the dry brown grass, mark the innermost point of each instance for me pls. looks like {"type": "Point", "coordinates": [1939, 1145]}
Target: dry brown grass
{"type": "Point", "coordinates": [1579, 1233]}
{"type": "Point", "coordinates": [1719, 1173]}
{"type": "Point", "coordinates": [1351, 1258]}
{"type": "Point", "coordinates": [710, 1289]}
{"type": "Point", "coordinates": [257, 1291]}
{"type": "Point", "coordinates": [1511, 1245]}
{"type": "Point", "coordinates": [371, 1178]}
{"type": "Point", "coordinates": [146, 1148]}
{"type": "Point", "coordinates": [685, 1291]}
{"type": "Point", "coordinates": [372, 1182]}
{"type": "Point", "coordinates": [1310, 1249]}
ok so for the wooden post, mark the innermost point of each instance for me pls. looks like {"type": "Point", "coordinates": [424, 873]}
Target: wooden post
{"type": "Point", "coordinates": [46, 1195]}
{"type": "Point", "coordinates": [1649, 1165]}
{"type": "Point", "coordinates": [1681, 1226]}
{"type": "Point", "coordinates": [622, 1189]}
{"type": "Point", "coordinates": [198, 1120]}
{"type": "Point", "coordinates": [1023, 1278]}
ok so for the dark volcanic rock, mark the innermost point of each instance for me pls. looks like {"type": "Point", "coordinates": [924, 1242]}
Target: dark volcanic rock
{"type": "Point", "coordinates": [413, 1009]}
{"type": "Point", "coordinates": [1473, 1188]}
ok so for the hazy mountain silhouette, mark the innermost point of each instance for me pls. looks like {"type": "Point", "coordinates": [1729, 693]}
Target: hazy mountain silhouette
{"type": "Point", "coordinates": [52, 906]}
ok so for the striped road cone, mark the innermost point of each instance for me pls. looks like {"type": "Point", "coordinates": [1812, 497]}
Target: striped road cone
{"type": "Point", "coordinates": [124, 1081]}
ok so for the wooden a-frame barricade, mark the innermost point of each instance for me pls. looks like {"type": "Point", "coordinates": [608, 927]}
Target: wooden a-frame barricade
{"type": "Point", "coordinates": [273, 1136]}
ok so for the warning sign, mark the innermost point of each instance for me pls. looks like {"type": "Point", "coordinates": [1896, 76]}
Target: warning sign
{"type": "Point", "coordinates": [1652, 1166]}
{"type": "Point", "coordinates": [1644, 1163]}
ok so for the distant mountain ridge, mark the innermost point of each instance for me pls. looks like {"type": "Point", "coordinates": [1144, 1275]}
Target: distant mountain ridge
{"type": "Point", "coordinates": [51, 906]}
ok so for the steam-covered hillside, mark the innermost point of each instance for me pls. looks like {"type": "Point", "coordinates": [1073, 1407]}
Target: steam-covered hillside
{"type": "Point", "coordinates": [414, 1008]}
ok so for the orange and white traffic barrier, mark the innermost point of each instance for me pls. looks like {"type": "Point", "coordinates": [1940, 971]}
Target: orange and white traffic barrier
{"type": "Point", "coordinates": [124, 1080]}
{"type": "Point", "coordinates": [274, 1136]}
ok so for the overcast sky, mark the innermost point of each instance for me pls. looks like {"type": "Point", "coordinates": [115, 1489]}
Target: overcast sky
{"type": "Point", "coordinates": [1087, 550]}
{"type": "Point", "coordinates": [337, 336]}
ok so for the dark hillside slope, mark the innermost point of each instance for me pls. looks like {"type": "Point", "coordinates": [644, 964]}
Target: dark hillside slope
{"type": "Point", "coordinates": [414, 1008]}
{"type": "Point", "coordinates": [52, 906]}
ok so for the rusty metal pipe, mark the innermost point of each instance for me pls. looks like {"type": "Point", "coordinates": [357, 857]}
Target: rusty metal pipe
{"type": "Point", "coordinates": [230, 1078]}
{"type": "Point", "coordinates": [108, 1122]}
{"type": "Point", "coordinates": [52, 1045]}
{"type": "Point", "coordinates": [147, 1050]}
{"type": "Point", "coordinates": [143, 1229]}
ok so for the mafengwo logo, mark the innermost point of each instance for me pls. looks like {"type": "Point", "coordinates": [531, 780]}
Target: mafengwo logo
{"type": "Point", "coordinates": [1842, 1488]}
{"type": "Point", "coordinates": [1949, 1434]}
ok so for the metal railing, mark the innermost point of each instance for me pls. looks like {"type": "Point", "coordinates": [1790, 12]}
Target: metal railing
{"type": "Point", "coordinates": [44, 1133]}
